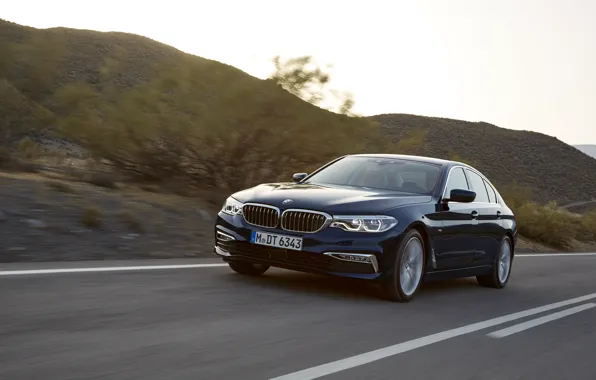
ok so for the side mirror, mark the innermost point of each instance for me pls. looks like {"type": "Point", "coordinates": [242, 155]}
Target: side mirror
{"type": "Point", "coordinates": [297, 177]}
{"type": "Point", "coordinates": [461, 195]}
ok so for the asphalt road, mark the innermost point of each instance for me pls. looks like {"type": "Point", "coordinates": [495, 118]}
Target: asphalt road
{"type": "Point", "coordinates": [209, 323]}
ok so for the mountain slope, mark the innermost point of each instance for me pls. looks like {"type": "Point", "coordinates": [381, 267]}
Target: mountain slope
{"type": "Point", "coordinates": [590, 150]}
{"type": "Point", "coordinates": [552, 169]}
{"type": "Point", "coordinates": [159, 112]}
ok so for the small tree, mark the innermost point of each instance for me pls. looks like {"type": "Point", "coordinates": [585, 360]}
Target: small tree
{"type": "Point", "coordinates": [303, 78]}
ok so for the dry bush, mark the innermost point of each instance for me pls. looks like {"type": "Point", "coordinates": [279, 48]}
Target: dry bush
{"type": "Point", "coordinates": [132, 221]}
{"type": "Point", "coordinates": [9, 162]}
{"type": "Point", "coordinates": [29, 149]}
{"type": "Point", "coordinates": [92, 216]}
{"type": "Point", "coordinates": [547, 224]}
{"type": "Point", "coordinates": [106, 180]}
{"type": "Point", "coordinates": [587, 230]}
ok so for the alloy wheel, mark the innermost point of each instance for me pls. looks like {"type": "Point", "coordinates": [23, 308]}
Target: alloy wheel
{"type": "Point", "coordinates": [504, 263]}
{"type": "Point", "coordinates": [412, 263]}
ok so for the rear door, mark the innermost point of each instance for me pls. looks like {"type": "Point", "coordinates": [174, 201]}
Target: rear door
{"type": "Point", "coordinates": [490, 227]}
{"type": "Point", "coordinates": [455, 241]}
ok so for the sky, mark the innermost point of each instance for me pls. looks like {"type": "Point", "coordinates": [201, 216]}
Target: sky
{"type": "Point", "coordinates": [518, 64]}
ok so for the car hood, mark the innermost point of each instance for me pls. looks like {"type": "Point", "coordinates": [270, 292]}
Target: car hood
{"type": "Point", "coordinates": [328, 198]}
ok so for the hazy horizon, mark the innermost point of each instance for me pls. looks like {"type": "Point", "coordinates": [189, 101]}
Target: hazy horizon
{"type": "Point", "coordinates": [525, 65]}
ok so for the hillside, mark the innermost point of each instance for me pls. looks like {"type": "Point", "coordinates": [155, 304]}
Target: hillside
{"type": "Point", "coordinates": [552, 169]}
{"type": "Point", "coordinates": [590, 150]}
{"type": "Point", "coordinates": [159, 114]}
{"type": "Point", "coordinates": [121, 112]}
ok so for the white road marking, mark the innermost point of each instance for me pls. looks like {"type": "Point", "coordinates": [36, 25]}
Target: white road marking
{"type": "Point", "coordinates": [368, 357]}
{"type": "Point", "coordinates": [555, 254]}
{"type": "Point", "coordinates": [106, 269]}
{"type": "Point", "coordinates": [188, 266]}
{"type": "Point", "coordinates": [539, 321]}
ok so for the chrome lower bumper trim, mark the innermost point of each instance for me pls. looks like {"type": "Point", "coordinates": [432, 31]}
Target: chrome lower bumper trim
{"type": "Point", "coordinates": [362, 258]}
{"type": "Point", "coordinates": [224, 237]}
{"type": "Point", "coordinates": [221, 252]}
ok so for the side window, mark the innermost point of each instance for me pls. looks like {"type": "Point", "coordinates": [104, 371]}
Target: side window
{"type": "Point", "coordinates": [477, 184]}
{"type": "Point", "coordinates": [492, 196]}
{"type": "Point", "coordinates": [456, 180]}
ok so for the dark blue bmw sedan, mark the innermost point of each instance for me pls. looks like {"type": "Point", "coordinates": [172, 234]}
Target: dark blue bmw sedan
{"type": "Point", "coordinates": [393, 219]}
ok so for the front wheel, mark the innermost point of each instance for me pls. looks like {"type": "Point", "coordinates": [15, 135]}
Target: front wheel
{"type": "Point", "coordinates": [408, 269]}
{"type": "Point", "coordinates": [248, 268]}
{"type": "Point", "coordinates": [501, 270]}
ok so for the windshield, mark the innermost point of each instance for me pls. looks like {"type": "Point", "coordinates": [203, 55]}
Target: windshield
{"type": "Point", "coordinates": [380, 173]}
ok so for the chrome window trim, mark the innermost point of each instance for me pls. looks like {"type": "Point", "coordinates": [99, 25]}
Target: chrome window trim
{"type": "Point", "coordinates": [489, 187]}
{"type": "Point", "coordinates": [449, 176]}
{"type": "Point", "coordinates": [483, 186]}
{"type": "Point", "coordinates": [497, 201]}
{"type": "Point", "coordinates": [276, 209]}
{"type": "Point", "coordinates": [328, 219]}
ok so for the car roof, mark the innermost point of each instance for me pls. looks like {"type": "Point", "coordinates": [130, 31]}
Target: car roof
{"type": "Point", "coordinates": [430, 160]}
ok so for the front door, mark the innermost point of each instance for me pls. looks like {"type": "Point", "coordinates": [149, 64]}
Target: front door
{"type": "Point", "coordinates": [455, 241]}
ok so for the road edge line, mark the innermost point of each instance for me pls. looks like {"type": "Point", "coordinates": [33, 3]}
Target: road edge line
{"type": "Point", "coordinates": [108, 269]}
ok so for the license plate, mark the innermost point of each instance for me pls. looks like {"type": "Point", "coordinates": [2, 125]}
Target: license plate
{"type": "Point", "coordinates": [278, 241]}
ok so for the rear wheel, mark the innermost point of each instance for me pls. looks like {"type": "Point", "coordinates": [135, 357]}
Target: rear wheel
{"type": "Point", "coordinates": [248, 268]}
{"type": "Point", "coordinates": [408, 269]}
{"type": "Point", "coordinates": [501, 268]}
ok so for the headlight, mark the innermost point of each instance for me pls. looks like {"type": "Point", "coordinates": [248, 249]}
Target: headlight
{"type": "Point", "coordinates": [365, 223]}
{"type": "Point", "coordinates": [232, 207]}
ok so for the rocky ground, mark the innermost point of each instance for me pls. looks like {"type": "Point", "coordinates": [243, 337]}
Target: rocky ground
{"type": "Point", "coordinates": [46, 218]}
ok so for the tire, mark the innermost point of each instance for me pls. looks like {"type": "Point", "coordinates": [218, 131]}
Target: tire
{"type": "Point", "coordinates": [248, 268]}
{"type": "Point", "coordinates": [410, 255]}
{"type": "Point", "coordinates": [501, 271]}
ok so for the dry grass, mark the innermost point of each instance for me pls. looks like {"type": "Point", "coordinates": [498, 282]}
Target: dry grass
{"type": "Point", "coordinates": [60, 186]}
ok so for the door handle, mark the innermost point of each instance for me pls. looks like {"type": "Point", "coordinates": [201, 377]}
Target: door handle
{"type": "Point", "coordinates": [498, 214]}
{"type": "Point", "coordinates": [474, 214]}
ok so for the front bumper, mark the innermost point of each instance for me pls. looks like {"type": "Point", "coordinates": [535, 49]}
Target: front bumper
{"type": "Point", "coordinates": [330, 251]}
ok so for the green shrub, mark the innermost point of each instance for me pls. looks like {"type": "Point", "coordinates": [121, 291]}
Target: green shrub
{"type": "Point", "coordinates": [587, 227]}
{"type": "Point", "coordinates": [547, 224]}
